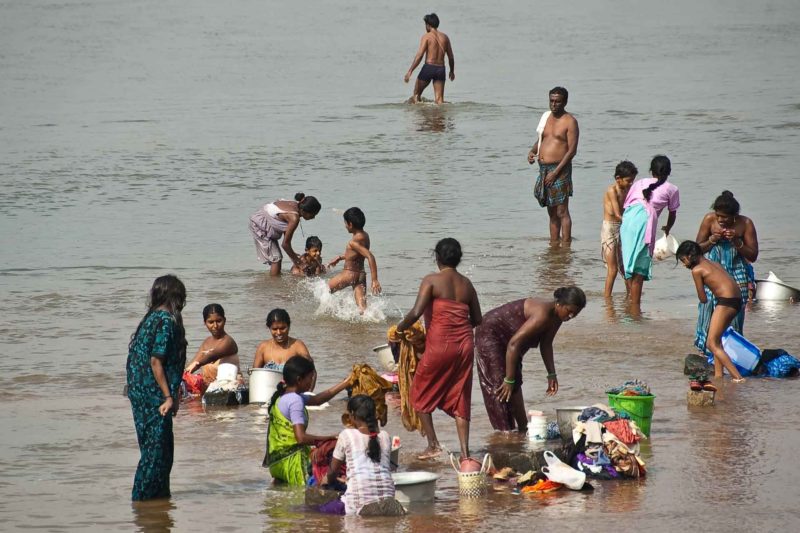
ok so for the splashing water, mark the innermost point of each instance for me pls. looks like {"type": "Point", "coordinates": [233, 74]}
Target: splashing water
{"type": "Point", "coordinates": [342, 305]}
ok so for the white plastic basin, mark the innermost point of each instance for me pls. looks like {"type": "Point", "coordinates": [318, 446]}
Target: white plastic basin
{"type": "Point", "coordinates": [414, 486]}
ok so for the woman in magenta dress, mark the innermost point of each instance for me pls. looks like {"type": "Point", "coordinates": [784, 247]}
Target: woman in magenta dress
{"type": "Point", "coordinates": [504, 336]}
{"type": "Point", "coordinates": [443, 378]}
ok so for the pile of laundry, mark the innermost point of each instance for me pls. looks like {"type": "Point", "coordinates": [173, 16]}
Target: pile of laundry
{"type": "Point", "coordinates": [631, 388]}
{"type": "Point", "coordinates": [606, 444]}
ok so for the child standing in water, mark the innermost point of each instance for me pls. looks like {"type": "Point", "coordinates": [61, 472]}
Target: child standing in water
{"type": "Point", "coordinates": [217, 349]}
{"type": "Point", "coordinates": [310, 263]}
{"type": "Point", "coordinates": [613, 201]}
{"type": "Point", "coordinates": [729, 301]}
{"type": "Point", "coordinates": [356, 251]}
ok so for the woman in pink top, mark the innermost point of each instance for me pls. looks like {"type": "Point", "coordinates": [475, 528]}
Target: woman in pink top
{"type": "Point", "coordinates": [646, 200]}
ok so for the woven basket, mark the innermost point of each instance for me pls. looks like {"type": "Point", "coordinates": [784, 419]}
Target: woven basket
{"type": "Point", "coordinates": [472, 484]}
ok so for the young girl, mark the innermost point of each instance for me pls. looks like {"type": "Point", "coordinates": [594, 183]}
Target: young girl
{"type": "Point", "coordinates": [281, 346]}
{"type": "Point", "coordinates": [366, 451]}
{"type": "Point", "coordinates": [644, 203]}
{"type": "Point", "coordinates": [727, 294]}
{"type": "Point", "coordinates": [288, 444]}
{"type": "Point", "coordinates": [217, 349]}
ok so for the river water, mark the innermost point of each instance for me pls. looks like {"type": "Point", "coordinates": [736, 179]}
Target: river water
{"type": "Point", "coordinates": [137, 138]}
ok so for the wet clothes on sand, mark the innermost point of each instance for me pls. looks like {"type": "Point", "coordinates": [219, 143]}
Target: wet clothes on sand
{"type": "Point", "coordinates": [412, 345]}
{"type": "Point", "coordinates": [443, 378]}
{"type": "Point", "coordinates": [266, 228]}
{"type": "Point", "coordinates": [491, 340]}
{"type": "Point", "coordinates": [364, 380]}
{"type": "Point", "coordinates": [287, 459]}
{"type": "Point", "coordinates": [157, 336]}
{"type": "Point", "coordinates": [724, 253]}
{"type": "Point", "coordinates": [640, 222]}
{"type": "Point", "coordinates": [367, 481]}
{"type": "Point", "coordinates": [556, 193]}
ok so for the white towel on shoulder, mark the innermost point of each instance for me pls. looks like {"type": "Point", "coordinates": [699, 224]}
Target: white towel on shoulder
{"type": "Point", "coordinates": [540, 130]}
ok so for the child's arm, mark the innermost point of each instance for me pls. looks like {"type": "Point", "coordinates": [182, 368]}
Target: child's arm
{"type": "Point", "coordinates": [363, 251]}
{"type": "Point", "coordinates": [336, 261]}
{"type": "Point", "coordinates": [699, 285]}
{"type": "Point", "coordinates": [614, 203]}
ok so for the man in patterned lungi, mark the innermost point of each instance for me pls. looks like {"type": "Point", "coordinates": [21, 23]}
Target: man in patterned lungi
{"type": "Point", "coordinates": [556, 145]}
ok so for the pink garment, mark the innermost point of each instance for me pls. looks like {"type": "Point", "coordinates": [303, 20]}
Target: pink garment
{"type": "Point", "coordinates": [666, 195]}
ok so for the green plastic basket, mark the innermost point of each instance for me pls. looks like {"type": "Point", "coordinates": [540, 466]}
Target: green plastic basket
{"type": "Point", "coordinates": [639, 408]}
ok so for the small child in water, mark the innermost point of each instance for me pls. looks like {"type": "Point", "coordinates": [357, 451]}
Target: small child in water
{"type": "Point", "coordinates": [356, 251]}
{"type": "Point", "coordinates": [729, 301]}
{"type": "Point", "coordinates": [217, 349]}
{"type": "Point", "coordinates": [613, 200]}
{"type": "Point", "coordinates": [310, 263]}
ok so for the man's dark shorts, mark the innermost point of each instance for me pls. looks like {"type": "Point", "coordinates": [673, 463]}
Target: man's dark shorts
{"type": "Point", "coordinates": [431, 73]}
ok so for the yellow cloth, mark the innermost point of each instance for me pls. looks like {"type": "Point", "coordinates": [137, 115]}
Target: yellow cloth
{"type": "Point", "coordinates": [412, 344]}
{"type": "Point", "coordinates": [364, 380]}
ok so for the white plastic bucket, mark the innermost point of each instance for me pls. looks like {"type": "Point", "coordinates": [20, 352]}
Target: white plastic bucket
{"type": "Point", "coordinates": [537, 428]}
{"type": "Point", "coordinates": [263, 383]}
{"type": "Point", "coordinates": [226, 372]}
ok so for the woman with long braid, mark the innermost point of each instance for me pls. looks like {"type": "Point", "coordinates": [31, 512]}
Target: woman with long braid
{"type": "Point", "coordinates": [646, 200]}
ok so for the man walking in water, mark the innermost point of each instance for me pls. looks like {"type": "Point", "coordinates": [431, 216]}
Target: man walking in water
{"type": "Point", "coordinates": [433, 46]}
{"type": "Point", "coordinates": [555, 147]}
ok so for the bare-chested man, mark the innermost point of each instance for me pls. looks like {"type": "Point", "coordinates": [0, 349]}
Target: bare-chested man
{"type": "Point", "coordinates": [433, 46]}
{"type": "Point", "coordinates": [558, 136]}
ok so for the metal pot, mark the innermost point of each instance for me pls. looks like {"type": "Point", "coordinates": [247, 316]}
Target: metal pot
{"type": "Point", "coordinates": [773, 290]}
{"type": "Point", "coordinates": [567, 417]}
{"type": "Point", "coordinates": [385, 357]}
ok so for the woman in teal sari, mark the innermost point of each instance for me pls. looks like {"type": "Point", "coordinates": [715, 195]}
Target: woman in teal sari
{"type": "Point", "coordinates": [156, 357]}
{"type": "Point", "coordinates": [729, 239]}
{"type": "Point", "coordinates": [288, 444]}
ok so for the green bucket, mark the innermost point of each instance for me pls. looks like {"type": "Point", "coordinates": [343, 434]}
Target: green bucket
{"type": "Point", "coordinates": [639, 408]}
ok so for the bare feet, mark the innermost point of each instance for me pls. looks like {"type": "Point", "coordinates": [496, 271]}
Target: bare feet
{"type": "Point", "coordinates": [430, 453]}
{"type": "Point", "coordinates": [738, 380]}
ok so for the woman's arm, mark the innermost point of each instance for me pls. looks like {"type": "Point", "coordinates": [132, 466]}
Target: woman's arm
{"type": "Point", "coordinates": [424, 298]}
{"type": "Point", "coordinates": [531, 329]}
{"type": "Point", "coordinates": [475, 315]}
{"type": "Point", "coordinates": [258, 360]}
{"type": "Point", "coordinates": [293, 221]}
{"type": "Point", "coordinates": [670, 221]}
{"type": "Point", "coordinates": [227, 346]}
{"type": "Point", "coordinates": [307, 438]}
{"type": "Point", "coordinates": [168, 404]}
{"type": "Point", "coordinates": [326, 395]}
{"type": "Point", "coordinates": [546, 349]}
{"type": "Point", "coordinates": [747, 244]}
{"type": "Point", "coordinates": [333, 471]}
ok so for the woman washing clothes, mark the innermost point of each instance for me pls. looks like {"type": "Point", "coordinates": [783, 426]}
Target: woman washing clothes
{"type": "Point", "coordinates": [280, 219]}
{"type": "Point", "coordinates": [443, 377]}
{"type": "Point", "coordinates": [288, 443]}
{"type": "Point", "coordinates": [505, 335]}
{"type": "Point", "coordinates": [730, 239]}
{"type": "Point", "coordinates": [217, 349]}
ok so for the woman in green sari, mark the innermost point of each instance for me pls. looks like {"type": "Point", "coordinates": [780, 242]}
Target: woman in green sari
{"type": "Point", "coordinates": [288, 444]}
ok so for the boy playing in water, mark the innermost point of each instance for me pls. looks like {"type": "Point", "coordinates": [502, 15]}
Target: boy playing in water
{"type": "Point", "coordinates": [356, 251]}
{"type": "Point", "coordinates": [613, 201]}
{"type": "Point", "coordinates": [726, 292]}
{"type": "Point", "coordinates": [310, 263]}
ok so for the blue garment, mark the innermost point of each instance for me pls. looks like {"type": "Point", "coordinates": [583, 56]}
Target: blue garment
{"type": "Point", "coordinates": [636, 257]}
{"type": "Point", "coordinates": [781, 366]}
{"type": "Point", "coordinates": [157, 336]}
{"type": "Point", "coordinates": [726, 255]}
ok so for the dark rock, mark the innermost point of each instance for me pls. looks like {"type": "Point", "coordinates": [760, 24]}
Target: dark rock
{"type": "Point", "coordinates": [696, 364]}
{"type": "Point", "coordinates": [383, 507]}
{"type": "Point", "coordinates": [221, 398]}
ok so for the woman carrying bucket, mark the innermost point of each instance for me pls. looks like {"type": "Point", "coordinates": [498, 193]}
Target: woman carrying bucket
{"type": "Point", "coordinates": [504, 336]}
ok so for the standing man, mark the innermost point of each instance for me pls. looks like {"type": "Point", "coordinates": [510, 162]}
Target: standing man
{"type": "Point", "coordinates": [434, 45]}
{"type": "Point", "coordinates": [555, 148]}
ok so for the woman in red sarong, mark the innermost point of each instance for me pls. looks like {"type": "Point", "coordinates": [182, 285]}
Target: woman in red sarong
{"type": "Point", "coordinates": [444, 374]}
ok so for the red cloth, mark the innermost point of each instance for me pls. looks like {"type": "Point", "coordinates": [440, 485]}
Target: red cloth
{"type": "Point", "coordinates": [321, 457]}
{"type": "Point", "coordinates": [194, 383]}
{"type": "Point", "coordinates": [444, 374]}
{"type": "Point", "coordinates": [622, 430]}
